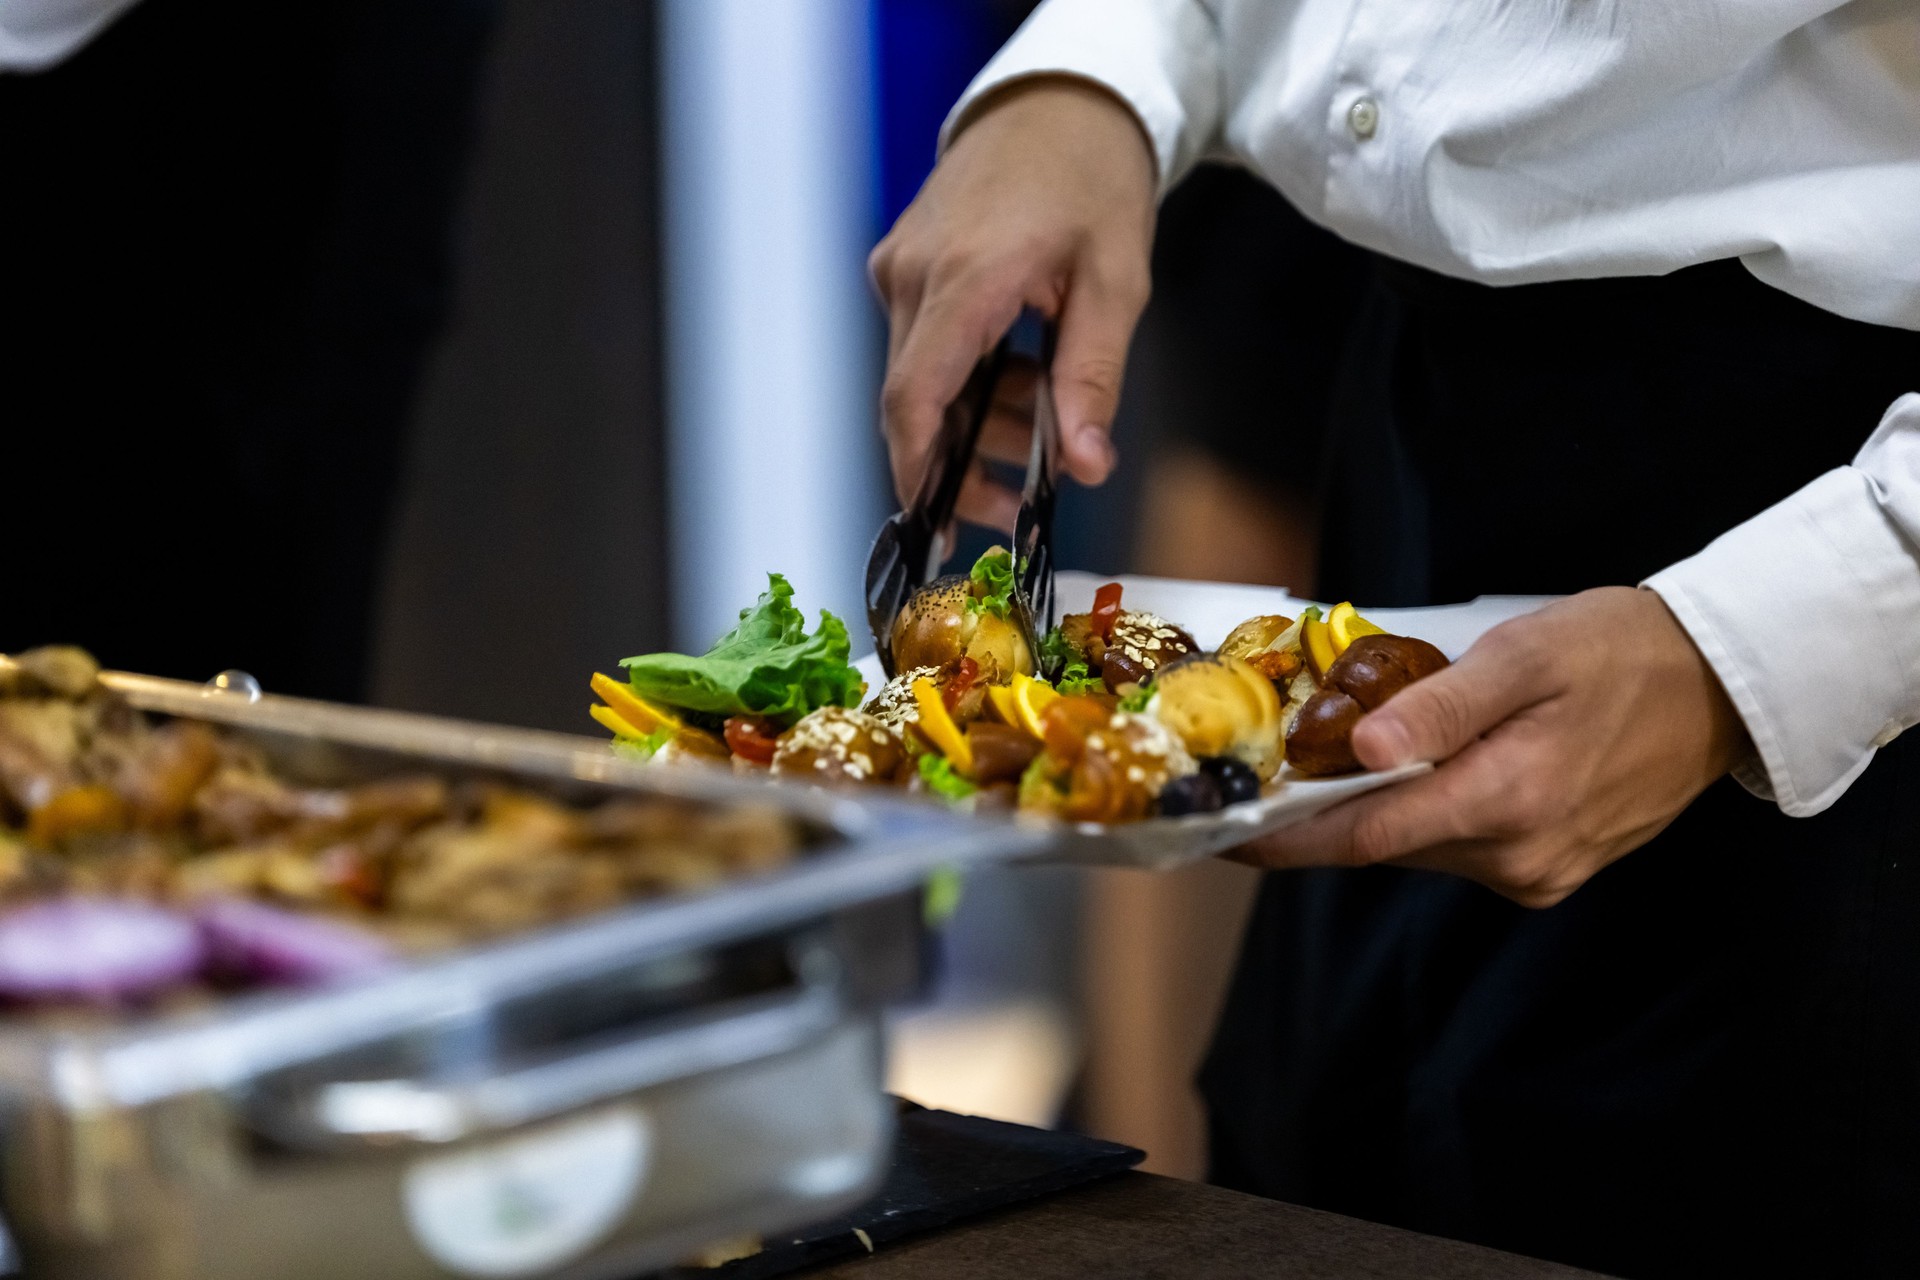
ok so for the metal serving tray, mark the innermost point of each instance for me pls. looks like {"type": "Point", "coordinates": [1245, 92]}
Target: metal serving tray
{"type": "Point", "coordinates": [595, 1099]}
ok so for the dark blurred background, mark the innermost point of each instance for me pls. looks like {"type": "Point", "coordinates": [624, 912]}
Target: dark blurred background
{"type": "Point", "coordinates": [440, 354]}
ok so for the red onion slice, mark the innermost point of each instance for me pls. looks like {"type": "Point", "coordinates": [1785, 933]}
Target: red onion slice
{"type": "Point", "coordinates": [98, 949]}
{"type": "Point", "coordinates": [252, 940]}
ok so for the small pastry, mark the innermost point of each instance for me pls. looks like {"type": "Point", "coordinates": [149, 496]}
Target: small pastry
{"type": "Point", "coordinates": [1219, 706]}
{"type": "Point", "coordinates": [839, 744]}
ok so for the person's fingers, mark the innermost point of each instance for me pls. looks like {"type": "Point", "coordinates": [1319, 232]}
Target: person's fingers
{"type": "Point", "coordinates": [1096, 325]}
{"type": "Point", "coordinates": [984, 502]}
{"type": "Point", "coordinates": [1472, 797]}
{"type": "Point", "coordinates": [1435, 718]}
{"type": "Point", "coordinates": [951, 331]}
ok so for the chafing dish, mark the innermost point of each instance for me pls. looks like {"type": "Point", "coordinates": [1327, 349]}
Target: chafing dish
{"type": "Point", "coordinates": [595, 1099]}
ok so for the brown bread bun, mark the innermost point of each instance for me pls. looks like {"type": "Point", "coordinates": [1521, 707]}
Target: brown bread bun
{"type": "Point", "coordinates": [1363, 678]}
{"type": "Point", "coordinates": [928, 631]}
{"type": "Point", "coordinates": [1374, 668]}
{"type": "Point", "coordinates": [1320, 742]}
{"type": "Point", "coordinates": [839, 745]}
{"type": "Point", "coordinates": [1141, 644]}
{"type": "Point", "coordinates": [935, 627]}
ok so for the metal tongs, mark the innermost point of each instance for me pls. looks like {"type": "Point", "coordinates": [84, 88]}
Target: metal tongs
{"type": "Point", "coordinates": [911, 546]}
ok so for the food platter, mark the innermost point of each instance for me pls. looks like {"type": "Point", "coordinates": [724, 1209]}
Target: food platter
{"type": "Point", "coordinates": [1210, 610]}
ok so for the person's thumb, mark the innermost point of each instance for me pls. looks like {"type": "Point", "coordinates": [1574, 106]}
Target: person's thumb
{"type": "Point", "coordinates": [1096, 326]}
{"type": "Point", "coordinates": [1438, 717]}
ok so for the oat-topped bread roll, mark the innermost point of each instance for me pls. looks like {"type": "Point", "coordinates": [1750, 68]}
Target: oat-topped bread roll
{"type": "Point", "coordinates": [839, 744]}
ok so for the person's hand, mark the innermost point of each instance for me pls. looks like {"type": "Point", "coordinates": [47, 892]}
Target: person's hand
{"type": "Point", "coordinates": [1566, 739]}
{"type": "Point", "coordinates": [1045, 199]}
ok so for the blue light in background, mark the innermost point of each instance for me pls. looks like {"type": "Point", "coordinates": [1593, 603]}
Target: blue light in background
{"type": "Point", "coordinates": [926, 52]}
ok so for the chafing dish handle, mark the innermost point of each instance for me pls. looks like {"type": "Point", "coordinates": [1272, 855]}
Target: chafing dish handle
{"type": "Point", "coordinates": [382, 1114]}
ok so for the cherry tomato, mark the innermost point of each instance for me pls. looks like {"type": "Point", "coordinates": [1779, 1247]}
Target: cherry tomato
{"type": "Point", "coordinates": [348, 870]}
{"type": "Point", "coordinates": [1106, 608]}
{"type": "Point", "coordinates": [752, 738]}
{"type": "Point", "coordinates": [965, 672]}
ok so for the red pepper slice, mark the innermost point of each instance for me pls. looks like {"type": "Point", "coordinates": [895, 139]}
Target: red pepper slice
{"type": "Point", "coordinates": [752, 738]}
{"type": "Point", "coordinates": [965, 672]}
{"type": "Point", "coordinates": [1106, 608]}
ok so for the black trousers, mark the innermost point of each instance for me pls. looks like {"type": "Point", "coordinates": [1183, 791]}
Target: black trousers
{"type": "Point", "coordinates": [1705, 1061]}
{"type": "Point", "coordinates": [228, 248]}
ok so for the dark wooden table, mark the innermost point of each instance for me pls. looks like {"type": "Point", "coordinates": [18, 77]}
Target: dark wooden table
{"type": "Point", "coordinates": [1139, 1226]}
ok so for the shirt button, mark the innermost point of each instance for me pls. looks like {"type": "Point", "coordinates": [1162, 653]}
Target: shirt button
{"type": "Point", "coordinates": [1363, 117]}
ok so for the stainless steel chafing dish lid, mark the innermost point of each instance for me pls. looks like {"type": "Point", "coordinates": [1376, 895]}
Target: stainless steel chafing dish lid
{"type": "Point", "coordinates": [877, 847]}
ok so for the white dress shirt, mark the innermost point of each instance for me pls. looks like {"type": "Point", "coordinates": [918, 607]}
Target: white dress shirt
{"type": "Point", "coordinates": [1511, 143]}
{"type": "Point", "coordinates": [35, 34]}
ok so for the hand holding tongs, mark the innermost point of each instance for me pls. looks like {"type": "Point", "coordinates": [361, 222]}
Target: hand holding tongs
{"type": "Point", "coordinates": [910, 548]}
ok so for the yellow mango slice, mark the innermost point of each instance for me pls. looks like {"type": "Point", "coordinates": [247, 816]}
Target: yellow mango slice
{"type": "Point", "coordinates": [641, 716]}
{"type": "Point", "coordinates": [939, 727]}
{"type": "Point", "coordinates": [1316, 642]}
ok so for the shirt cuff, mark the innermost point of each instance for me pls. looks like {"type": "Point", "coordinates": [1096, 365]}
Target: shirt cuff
{"type": "Point", "coordinates": [1160, 57]}
{"type": "Point", "coordinates": [1810, 615]}
{"type": "Point", "coordinates": [36, 34]}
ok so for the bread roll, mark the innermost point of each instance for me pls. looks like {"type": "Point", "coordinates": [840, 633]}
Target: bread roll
{"type": "Point", "coordinates": [935, 627]}
{"type": "Point", "coordinates": [839, 745]}
{"type": "Point", "coordinates": [1372, 670]}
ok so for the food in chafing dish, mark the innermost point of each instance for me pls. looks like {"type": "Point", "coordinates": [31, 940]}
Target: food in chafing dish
{"type": "Point", "coordinates": [144, 860]}
{"type": "Point", "coordinates": [1119, 716]}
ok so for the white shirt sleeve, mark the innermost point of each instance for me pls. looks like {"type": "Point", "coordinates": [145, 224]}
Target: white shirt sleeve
{"type": "Point", "coordinates": [1161, 57]}
{"type": "Point", "coordinates": [1810, 615]}
{"type": "Point", "coordinates": [35, 34]}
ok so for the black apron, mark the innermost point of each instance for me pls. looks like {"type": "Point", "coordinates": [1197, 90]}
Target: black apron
{"type": "Point", "coordinates": [227, 239]}
{"type": "Point", "coordinates": [1706, 1060]}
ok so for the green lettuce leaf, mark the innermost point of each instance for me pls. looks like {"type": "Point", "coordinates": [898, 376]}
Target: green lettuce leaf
{"type": "Point", "coordinates": [1057, 653]}
{"type": "Point", "coordinates": [1138, 699]}
{"type": "Point", "coordinates": [766, 666]}
{"type": "Point", "coordinates": [643, 749]}
{"type": "Point", "coordinates": [1075, 678]}
{"type": "Point", "coordinates": [1040, 789]}
{"type": "Point", "coordinates": [937, 772]}
{"type": "Point", "coordinates": [993, 572]}
{"type": "Point", "coordinates": [942, 896]}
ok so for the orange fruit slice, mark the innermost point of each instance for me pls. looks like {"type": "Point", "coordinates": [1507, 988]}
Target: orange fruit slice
{"type": "Point", "coordinates": [1031, 698]}
{"type": "Point", "coordinates": [1346, 626]}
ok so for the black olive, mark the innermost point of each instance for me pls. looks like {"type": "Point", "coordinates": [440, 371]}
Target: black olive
{"type": "Point", "coordinates": [1195, 793]}
{"type": "Point", "coordinates": [1237, 781]}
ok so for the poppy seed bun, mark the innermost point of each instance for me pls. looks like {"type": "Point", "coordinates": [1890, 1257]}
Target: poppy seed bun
{"type": "Point", "coordinates": [929, 630]}
{"type": "Point", "coordinates": [936, 627]}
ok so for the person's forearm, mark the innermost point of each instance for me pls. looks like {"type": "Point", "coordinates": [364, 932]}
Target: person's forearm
{"type": "Point", "coordinates": [1810, 615]}
{"type": "Point", "coordinates": [36, 34]}
{"type": "Point", "coordinates": [1160, 57]}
